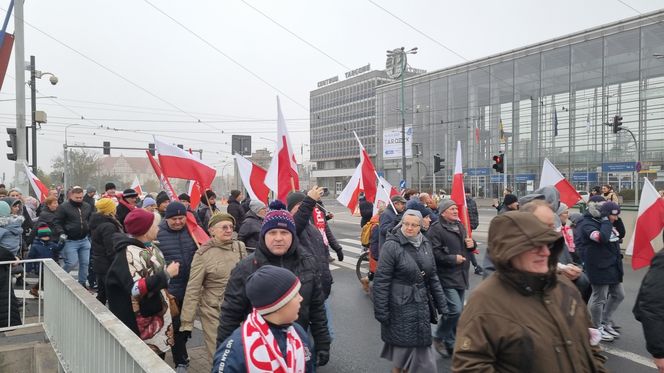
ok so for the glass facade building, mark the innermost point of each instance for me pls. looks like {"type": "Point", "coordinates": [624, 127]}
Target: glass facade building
{"type": "Point", "coordinates": [555, 100]}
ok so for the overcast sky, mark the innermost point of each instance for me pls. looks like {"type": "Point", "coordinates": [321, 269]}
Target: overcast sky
{"type": "Point", "coordinates": [188, 70]}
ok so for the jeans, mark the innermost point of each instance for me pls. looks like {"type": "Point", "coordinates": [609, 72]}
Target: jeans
{"type": "Point", "coordinates": [604, 301]}
{"type": "Point", "coordinates": [446, 329]}
{"type": "Point", "coordinates": [77, 251]}
{"type": "Point", "coordinates": [328, 315]}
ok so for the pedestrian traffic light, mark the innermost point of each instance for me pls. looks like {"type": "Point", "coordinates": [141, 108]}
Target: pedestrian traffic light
{"type": "Point", "coordinates": [498, 164]}
{"type": "Point", "coordinates": [11, 143]}
{"type": "Point", "coordinates": [151, 149]}
{"type": "Point", "coordinates": [438, 163]}
{"type": "Point", "coordinates": [107, 148]}
{"type": "Point", "coordinates": [617, 123]}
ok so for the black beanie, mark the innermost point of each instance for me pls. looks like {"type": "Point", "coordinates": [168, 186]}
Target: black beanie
{"type": "Point", "coordinates": [175, 209]}
{"type": "Point", "coordinates": [161, 198]}
{"type": "Point", "coordinates": [294, 198]}
{"type": "Point", "coordinates": [270, 288]}
{"type": "Point", "coordinates": [184, 197]}
{"type": "Point", "coordinates": [129, 193]}
{"type": "Point", "coordinates": [510, 199]}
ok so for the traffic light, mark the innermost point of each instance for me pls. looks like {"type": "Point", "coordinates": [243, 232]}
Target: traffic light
{"type": "Point", "coordinates": [498, 164]}
{"type": "Point", "coordinates": [11, 143]}
{"type": "Point", "coordinates": [617, 123]}
{"type": "Point", "coordinates": [438, 163]}
{"type": "Point", "coordinates": [107, 148]}
{"type": "Point", "coordinates": [151, 149]}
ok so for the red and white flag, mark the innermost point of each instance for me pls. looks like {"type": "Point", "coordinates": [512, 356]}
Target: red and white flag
{"type": "Point", "coordinates": [194, 191]}
{"type": "Point", "coordinates": [383, 195]}
{"type": "Point", "coordinates": [477, 132]}
{"type": "Point", "coordinates": [369, 176]}
{"type": "Point", "coordinates": [649, 225]}
{"type": "Point", "coordinates": [459, 192]}
{"type": "Point", "coordinates": [41, 191]}
{"type": "Point", "coordinates": [253, 178]}
{"type": "Point", "coordinates": [282, 177]}
{"type": "Point", "coordinates": [349, 196]}
{"type": "Point", "coordinates": [136, 185]}
{"type": "Point", "coordinates": [177, 163]}
{"type": "Point", "coordinates": [551, 176]}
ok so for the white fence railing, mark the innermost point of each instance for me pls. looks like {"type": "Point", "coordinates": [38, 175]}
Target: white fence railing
{"type": "Point", "coordinates": [85, 335]}
{"type": "Point", "coordinates": [22, 300]}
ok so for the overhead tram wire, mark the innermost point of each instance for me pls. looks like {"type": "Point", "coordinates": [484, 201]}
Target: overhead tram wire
{"type": "Point", "coordinates": [205, 41]}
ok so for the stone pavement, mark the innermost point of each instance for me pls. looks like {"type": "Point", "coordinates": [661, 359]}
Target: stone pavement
{"type": "Point", "coordinates": [198, 360]}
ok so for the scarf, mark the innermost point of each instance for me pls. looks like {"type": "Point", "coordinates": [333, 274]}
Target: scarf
{"type": "Point", "coordinates": [126, 204]}
{"type": "Point", "coordinates": [569, 239]}
{"type": "Point", "coordinates": [319, 221]}
{"type": "Point", "coordinates": [261, 350]}
{"type": "Point", "coordinates": [415, 241]}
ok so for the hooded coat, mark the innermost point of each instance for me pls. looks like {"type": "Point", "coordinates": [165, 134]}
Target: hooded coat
{"type": "Point", "coordinates": [522, 322]}
{"type": "Point", "coordinates": [235, 209]}
{"type": "Point", "coordinates": [103, 227]}
{"type": "Point", "coordinates": [8, 302]}
{"type": "Point", "coordinates": [236, 305]}
{"type": "Point", "coordinates": [250, 230]}
{"type": "Point", "coordinates": [599, 247]}
{"type": "Point", "coordinates": [11, 231]}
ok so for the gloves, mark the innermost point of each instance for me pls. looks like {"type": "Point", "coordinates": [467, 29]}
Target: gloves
{"type": "Point", "coordinates": [322, 357]}
{"type": "Point", "coordinates": [187, 334]}
{"type": "Point", "coordinates": [340, 255]}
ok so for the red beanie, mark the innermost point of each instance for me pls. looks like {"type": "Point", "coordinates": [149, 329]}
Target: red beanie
{"type": "Point", "coordinates": [138, 222]}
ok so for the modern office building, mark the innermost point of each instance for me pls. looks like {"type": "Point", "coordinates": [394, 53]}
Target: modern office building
{"type": "Point", "coordinates": [555, 100]}
{"type": "Point", "coordinates": [337, 108]}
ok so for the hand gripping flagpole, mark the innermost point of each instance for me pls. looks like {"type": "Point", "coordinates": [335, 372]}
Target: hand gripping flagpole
{"type": "Point", "coordinates": [377, 177]}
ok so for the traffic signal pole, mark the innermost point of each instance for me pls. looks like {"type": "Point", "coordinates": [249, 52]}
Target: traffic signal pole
{"type": "Point", "coordinates": [507, 140]}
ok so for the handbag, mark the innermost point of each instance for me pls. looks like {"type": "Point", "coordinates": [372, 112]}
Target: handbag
{"type": "Point", "coordinates": [172, 304]}
{"type": "Point", "coordinates": [151, 304]}
{"type": "Point", "coordinates": [433, 312]}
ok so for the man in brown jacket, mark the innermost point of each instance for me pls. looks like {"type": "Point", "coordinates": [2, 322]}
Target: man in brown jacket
{"type": "Point", "coordinates": [525, 318]}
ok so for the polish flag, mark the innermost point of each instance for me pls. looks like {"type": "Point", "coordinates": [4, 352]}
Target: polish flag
{"type": "Point", "coordinates": [349, 196]}
{"type": "Point", "coordinates": [163, 180]}
{"type": "Point", "coordinates": [194, 192]}
{"type": "Point", "coordinates": [369, 176]}
{"type": "Point", "coordinates": [282, 177]}
{"type": "Point", "coordinates": [383, 195]}
{"type": "Point", "coordinates": [551, 176]}
{"type": "Point", "coordinates": [41, 191]}
{"type": "Point", "coordinates": [178, 163]}
{"type": "Point", "coordinates": [458, 191]}
{"type": "Point", "coordinates": [649, 225]}
{"type": "Point", "coordinates": [137, 186]}
{"type": "Point", "coordinates": [253, 178]}
{"type": "Point", "coordinates": [477, 132]}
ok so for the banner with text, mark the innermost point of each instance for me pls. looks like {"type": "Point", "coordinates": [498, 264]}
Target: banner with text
{"type": "Point", "coordinates": [392, 143]}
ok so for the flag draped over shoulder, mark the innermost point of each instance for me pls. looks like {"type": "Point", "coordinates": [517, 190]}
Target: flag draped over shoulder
{"type": "Point", "coordinates": [649, 225]}
{"type": "Point", "coordinates": [282, 176]}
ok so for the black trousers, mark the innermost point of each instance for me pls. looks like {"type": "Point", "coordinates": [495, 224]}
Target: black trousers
{"type": "Point", "coordinates": [473, 260]}
{"type": "Point", "coordinates": [179, 349]}
{"type": "Point", "coordinates": [101, 288]}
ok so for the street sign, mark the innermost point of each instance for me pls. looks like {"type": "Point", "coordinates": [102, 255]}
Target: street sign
{"type": "Point", "coordinates": [619, 167]}
{"type": "Point", "coordinates": [241, 144]}
{"type": "Point", "coordinates": [522, 178]}
{"type": "Point", "coordinates": [478, 172]}
{"type": "Point", "coordinates": [402, 184]}
{"type": "Point", "coordinates": [584, 177]}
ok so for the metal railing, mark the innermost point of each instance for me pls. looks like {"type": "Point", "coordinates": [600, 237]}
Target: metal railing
{"type": "Point", "coordinates": [23, 299]}
{"type": "Point", "coordinates": [85, 335]}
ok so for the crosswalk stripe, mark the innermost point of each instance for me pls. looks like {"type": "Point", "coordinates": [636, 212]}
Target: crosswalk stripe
{"type": "Point", "coordinates": [351, 241]}
{"type": "Point", "coordinates": [344, 264]}
{"type": "Point", "coordinates": [353, 250]}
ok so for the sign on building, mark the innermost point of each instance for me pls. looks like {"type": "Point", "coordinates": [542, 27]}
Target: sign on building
{"type": "Point", "coordinates": [392, 143]}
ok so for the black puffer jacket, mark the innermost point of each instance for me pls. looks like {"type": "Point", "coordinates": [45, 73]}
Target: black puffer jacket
{"type": "Point", "coordinates": [649, 306]}
{"type": "Point", "coordinates": [400, 294]}
{"type": "Point", "coordinates": [72, 219]}
{"type": "Point", "coordinates": [250, 230]}
{"type": "Point", "coordinates": [473, 214]}
{"type": "Point", "coordinates": [236, 210]}
{"type": "Point", "coordinates": [601, 251]}
{"type": "Point", "coordinates": [448, 241]}
{"type": "Point", "coordinates": [311, 241]}
{"type": "Point", "coordinates": [8, 301]}
{"type": "Point", "coordinates": [103, 227]}
{"type": "Point", "coordinates": [236, 306]}
{"type": "Point", "coordinates": [177, 246]}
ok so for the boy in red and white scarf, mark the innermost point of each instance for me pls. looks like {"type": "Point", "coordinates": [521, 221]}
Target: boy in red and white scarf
{"type": "Point", "coordinates": [269, 340]}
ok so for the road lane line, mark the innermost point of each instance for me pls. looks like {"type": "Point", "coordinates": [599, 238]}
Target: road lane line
{"type": "Point", "coordinates": [351, 241]}
{"type": "Point", "coordinates": [629, 356]}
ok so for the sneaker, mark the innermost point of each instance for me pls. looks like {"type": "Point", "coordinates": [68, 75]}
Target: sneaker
{"type": "Point", "coordinates": [365, 284]}
{"type": "Point", "coordinates": [606, 337]}
{"type": "Point", "coordinates": [613, 325]}
{"type": "Point", "coordinates": [609, 329]}
{"type": "Point", "coordinates": [181, 368]}
{"type": "Point", "coordinates": [441, 349]}
{"type": "Point", "coordinates": [479, 271]}
{"type": "Point", "coordinates": [34, 292]}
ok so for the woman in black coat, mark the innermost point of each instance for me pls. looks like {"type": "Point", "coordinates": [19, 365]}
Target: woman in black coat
{"type": "Point", "coordinates": [103, 224]}
{"type": "Point", "coordinates": [8, 304]}
{"type": "Point", "coordinates": [405, 277]}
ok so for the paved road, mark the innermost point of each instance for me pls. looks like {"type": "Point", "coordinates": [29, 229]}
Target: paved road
{"type": "Point", "coordinates": [357, 344]}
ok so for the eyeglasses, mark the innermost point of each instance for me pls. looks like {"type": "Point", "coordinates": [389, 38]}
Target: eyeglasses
{"type": "Point", "coordinates": [409, 225]}
{"type": "Point", "coordinates": [225, 227]}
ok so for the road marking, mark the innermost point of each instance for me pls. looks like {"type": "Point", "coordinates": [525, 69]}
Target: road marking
{"type": "Point", "coordinates": [343, 264]}
{"type": "Point", "coordinates": [351, 241]}
{"type": "Point", "coordinates": [629, 356]}
{"type": "Point", "coordinates": [346, 221]}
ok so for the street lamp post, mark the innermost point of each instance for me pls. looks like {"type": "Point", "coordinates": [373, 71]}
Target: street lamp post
{"type": "Point", "coordinates": [397, 64]}
{"type": "Point", "coordinates": [34, 75]}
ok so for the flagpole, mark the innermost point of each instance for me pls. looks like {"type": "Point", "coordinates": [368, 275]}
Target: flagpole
{"type": "Point", "coordinates": [376, 173]}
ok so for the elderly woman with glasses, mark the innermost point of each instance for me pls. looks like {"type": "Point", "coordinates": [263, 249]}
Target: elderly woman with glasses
{"type": "Point", "coordinates": [210, 271]}
{"type": "Point", "coordinates": [406, 288]}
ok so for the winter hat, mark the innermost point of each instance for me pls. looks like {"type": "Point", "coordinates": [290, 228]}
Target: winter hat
{"type": "Point", "coordinates": [294, 198]}
{"type": "Point", "coordinates": [562, 208]}
{"type": "Point", "coordinates": [219, 217]}
{"type": "Point", "coordinates": [575, 217]}
{"type": "Point", "coordinates": [270, 288]}
{"type": "Point", "coordinates": [278, 218]}
{"type": "Point", "coordinates": [184, 197]}
{"type": "Point", "coordinates": [90, 189]}
{"type": "Point", "coordinates": [510, 199]}
{"type": "Point", "coordinates": [162, 197]}
{"type": "Point", "coordinates": [597, 199]}
{"type": "Point", "coordinates": [208, 194]}
{"type": "Point", "coordinates": [609, 208]}
{"type": "Point", "coordinates": [445, 204]}
{"type": "Point", "coordinates": [256, 206]}
{"type": "Point", "coordinates": [129, 193]}
{"type": "Point", "coordinates": [416, 205]}
{"type": "Point", "coordinates": [5, 211]}
{"type": "Point", "coordinates": [175, 209]}
{"type": "Point", "coordinates": [531, 197]}
{"type": "Point", "coordinates": [398, 198]}
{"type": "Point", "coordinates": [105, 206]}
{"type": "Point", "coordinates": [148, 201]}
{"type": "Point", "coordinates": [43, 230]}
{"type": "Point", "coordinates": [138, 222]}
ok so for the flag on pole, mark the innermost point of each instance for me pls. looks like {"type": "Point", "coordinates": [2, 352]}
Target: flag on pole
{"type": "Point", "coordinates": [477, 132]}
{"type": "Point", "coordinates": [253, 178]}
{"type": "Point", "coordinates": [194, 191]}
{"type": "Point", "coordinates": [135, 185]}
{"type": "Point", "coordinates": [501, 132]}
{"type": "Point", "coordinates": [649, 225]}
{"type": "Point", "coordinates": [282, 177]}
{"type": "Point", "coordinates": [41, 191]}
{"type": "Point", "coordinates": [458, 191]}
{"type": "Point", "coordinates": [384, 194]}
{"type": "Point", "coordinates": [551, 176]}
{"type": "Point", "coordinates": [349, 196]}
{"type": "Point", "coordinates": [6, 44]}
{"type": "Point", "coordinates": [176, 162]}
{"type": "Point", "coordinates": [555, 122]}
{"type": "Point", "coordinates": [369, 174]}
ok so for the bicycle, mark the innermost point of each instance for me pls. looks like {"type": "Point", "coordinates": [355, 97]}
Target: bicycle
{"type": "Point", "coordinates": [362, 266]}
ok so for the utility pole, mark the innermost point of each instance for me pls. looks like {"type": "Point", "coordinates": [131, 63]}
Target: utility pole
{"type": "Point", "coordinates": [33, 106]}
{"type": "Point", "coordinates": [20, 178]}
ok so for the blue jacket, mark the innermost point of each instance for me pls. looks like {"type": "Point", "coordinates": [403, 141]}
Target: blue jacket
{"type": "Point", "coordinates": [229, 357]}
{"type": "Point", "coordinates": [601, 254]}
{"type": "Point", "coordinates": [10, 233]}
{"type": "Point", "coordinates": [388, 219]}
{"type": "Point", "coordinates": [177, 246]}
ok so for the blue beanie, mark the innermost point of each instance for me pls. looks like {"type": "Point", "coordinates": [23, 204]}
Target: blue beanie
{"type": "Point", "coordinates": [175, 209]}
{"type": "Point", "coordinates": [5, 211]}
{"type": "Point", "coordinates": [278, 218]}
{"type": "Point", "coordinates": [270, 288]}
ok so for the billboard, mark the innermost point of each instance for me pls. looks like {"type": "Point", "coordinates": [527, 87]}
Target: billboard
{"type": "Point", "coordinates": [392, 143]}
